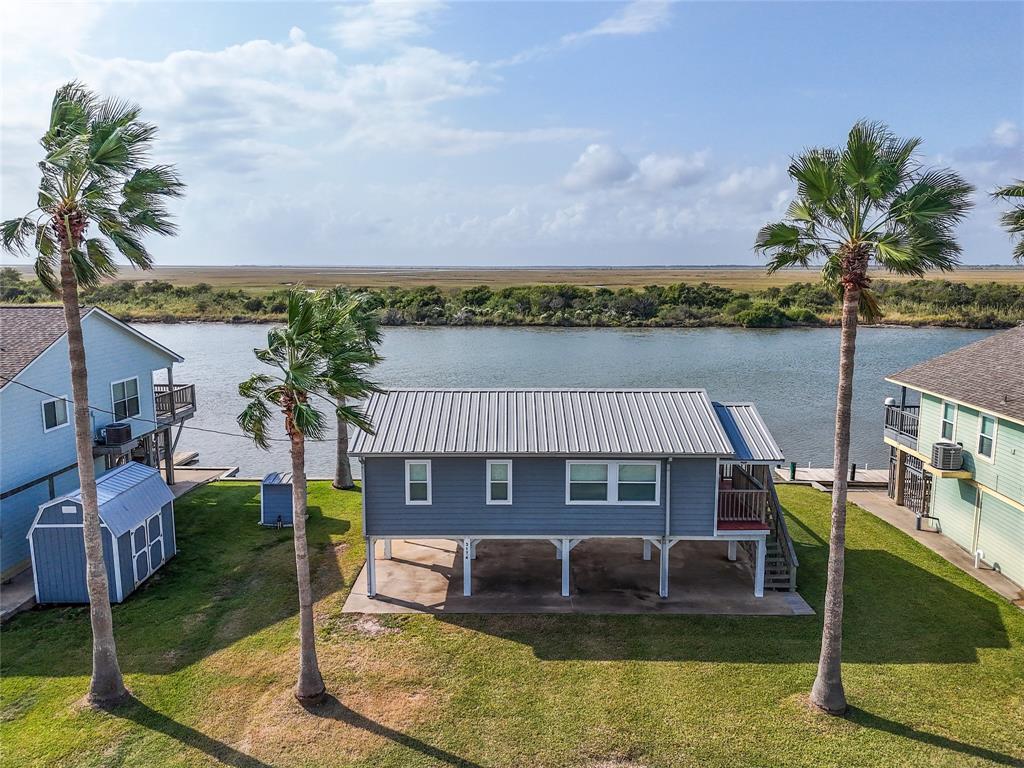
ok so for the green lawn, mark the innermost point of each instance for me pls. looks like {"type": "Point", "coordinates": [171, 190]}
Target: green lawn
{"type": "Point", "coordinates": [935, 667]}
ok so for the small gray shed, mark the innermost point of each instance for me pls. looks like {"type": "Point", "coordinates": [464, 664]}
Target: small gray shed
{"type": "Point", "coordinates": [137, 525]}
{"type": "Point", "coordinates": [276, 500]}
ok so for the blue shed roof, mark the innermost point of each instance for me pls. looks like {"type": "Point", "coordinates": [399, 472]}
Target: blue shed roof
{"type": "Point", "coordinates": [278, 478]}
{"type": "Point", "coordinates": [747, 432]}
{"type": "Point", "coordinates": [128, 495]}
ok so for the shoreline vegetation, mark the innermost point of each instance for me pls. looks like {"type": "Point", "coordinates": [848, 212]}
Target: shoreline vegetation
{"type": "Point", "coordinates": [925, 302]}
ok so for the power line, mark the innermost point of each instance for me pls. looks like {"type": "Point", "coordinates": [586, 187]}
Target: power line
{"type": "Point", "coordinates": [207, 430]}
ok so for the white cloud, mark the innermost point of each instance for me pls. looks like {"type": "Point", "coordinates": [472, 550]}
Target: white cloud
{"type": "Point", "coordinates": [669, 171]}
{"type": "Point", "coordinates": [599, 166]}
{"type": "Point", "coordinates": [378, 23]}
{"type": "Point", "coordinates": [637, 18]}
{"type": "Point", "coordinates": [602, 166]}
{"type": "Point", "coordinates": [1006, 134]}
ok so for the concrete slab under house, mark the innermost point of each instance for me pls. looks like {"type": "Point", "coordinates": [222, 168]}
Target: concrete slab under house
{"type": "Point", "coordinates": [511, 473]}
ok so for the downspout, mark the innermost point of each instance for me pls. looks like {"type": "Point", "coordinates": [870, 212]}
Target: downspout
{"type": "Point", "coordinates": [668, 498]}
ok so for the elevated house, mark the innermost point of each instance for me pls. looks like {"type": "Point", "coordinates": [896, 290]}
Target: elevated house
{"type": "Point", "coordinates": [568, 465]}
{"type": "Point", "coordinates": [956, 447]}
{"type": "Point", "coordinates": [37, 439]}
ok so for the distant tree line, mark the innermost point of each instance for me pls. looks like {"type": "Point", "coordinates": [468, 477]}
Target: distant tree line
{"type": "Point", "coordinates": [933, 302]}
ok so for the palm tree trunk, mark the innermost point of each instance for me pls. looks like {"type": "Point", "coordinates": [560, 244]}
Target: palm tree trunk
{"type": "Point", "coordinates": [107, 686]}
{"type": "Point", "coordinates": [827, 693]}
{"type": "Point", "coordinates": [343, 467]}
{"type": "Point", "coordinates": [310, 688]}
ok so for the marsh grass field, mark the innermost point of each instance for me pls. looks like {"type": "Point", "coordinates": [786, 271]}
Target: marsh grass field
{"type": "Point", "coordinates": [567, 297]}
{"type": "Point", "coordinates": [257, 279]}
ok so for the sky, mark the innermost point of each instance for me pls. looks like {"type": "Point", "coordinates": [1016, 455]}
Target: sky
{"type": "Point", "coordinates": [514, 133]}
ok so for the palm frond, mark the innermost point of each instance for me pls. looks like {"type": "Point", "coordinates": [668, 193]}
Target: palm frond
{"type": "Point", "coordinates": [15, 234]}
{"type": "Point", "coordinates": [254, 420]}
{"type": "Point", "coordinates": [309, 421]}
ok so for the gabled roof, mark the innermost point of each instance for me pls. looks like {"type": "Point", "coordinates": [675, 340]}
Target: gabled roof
{"type": "Point", "coordinates": [748, 432]}
{"type": "Point", "coordinates": [988, 375]}
{"type": "Point", "coordinates": [28, 331]}
{"type": "Point", "coordinates": [127, 496]}
{"type": "Point", "coordinates": [543, 422]}
{"type": "Point", "coordinates": [25, 333]}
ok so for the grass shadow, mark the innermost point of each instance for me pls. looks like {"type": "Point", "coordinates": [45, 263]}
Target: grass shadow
{"type": "Point", "coordinates": [876, 722]}
{"type": "Point", "coordinates": [896, 613]}
{"type": "Point", "coordinates": [333, 709]}
{"type": "Point", "coordinates": [148, 718]}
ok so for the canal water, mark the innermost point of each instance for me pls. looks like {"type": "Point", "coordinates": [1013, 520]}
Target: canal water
{"type": "Point", "coordinates": [790, 374]}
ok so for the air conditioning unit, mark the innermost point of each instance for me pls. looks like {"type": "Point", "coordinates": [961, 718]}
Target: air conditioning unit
{"type": "Point", "coordinates": [116, 433]}
{"type": "Point", "coordinates": [947, 455]}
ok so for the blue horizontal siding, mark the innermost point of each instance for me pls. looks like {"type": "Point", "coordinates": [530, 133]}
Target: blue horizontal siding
{"type": "Point", "coordinates": [538, 506]}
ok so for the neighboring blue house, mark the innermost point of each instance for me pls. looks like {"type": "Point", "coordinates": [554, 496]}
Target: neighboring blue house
{"type": "Point", "coordinates": [567, 465]}
{"type": "Point", "coordinates": [37, 436]}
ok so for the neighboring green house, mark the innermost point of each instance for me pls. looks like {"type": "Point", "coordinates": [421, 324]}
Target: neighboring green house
{"type": "Point", "coordinates": [974, 397]}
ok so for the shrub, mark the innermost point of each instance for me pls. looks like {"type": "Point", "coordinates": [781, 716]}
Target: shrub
{"type": "Point", "coordinates": [762, 315]}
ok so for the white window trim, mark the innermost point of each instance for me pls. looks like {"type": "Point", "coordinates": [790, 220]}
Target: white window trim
{"type": "Point", "coordinates": [995, 436]}
{"type": "Point", "coordinates": [490, 463]}
{"type": "Point", "coordinates": [113, 400]}
{"type": "Point", "coordinates": [430, 483]}
{"type": "Point", "coordinates": [67, 413]}
{"type": "Point", "coordinates": [942, 419]}
{"type": "Point", "coordinates": [613, 484]}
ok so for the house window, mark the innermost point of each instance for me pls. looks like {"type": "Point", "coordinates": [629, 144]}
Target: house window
{"type": "Point", "coordinates": [126, 398]}
{"type": "Point", "coordinates": [417, 482]}
{"type": "Point", "coordinates": [987, 436]}
{"type": "Point", "coordinates": [613, 482]}
{"type": "Point", "coordinates": [499, 481]}
{"type": "Point", "coordinates": [948, 421]}
{"type": "Point", "coordinates": [55, 414]}
{"type": "Point", "coordinates": [638, 482]}
{"type": "Point", "coordinates": [588, 482]}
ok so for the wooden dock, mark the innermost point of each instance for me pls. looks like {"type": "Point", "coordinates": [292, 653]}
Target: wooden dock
{"type": "Point", "coordinates": [822, 477]}
{"type": "Point", "coordinates": [183, 458]}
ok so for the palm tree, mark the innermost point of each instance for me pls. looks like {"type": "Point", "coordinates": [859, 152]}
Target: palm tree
{"type": "Point", "coordinates": [95, 173]}
{"type": "Point", "coordinates": [365, 320]}
{"type": "Point", "coordinates": [867, 202]}
{"type": "Point", "coordinates": [318, 352]}
{"type": "Point", "coordinates": [1013, 219]}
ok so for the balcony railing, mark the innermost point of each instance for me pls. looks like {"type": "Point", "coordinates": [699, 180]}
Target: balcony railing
{"type": "Point", "coordinates": [172, 403]}
{"type": "Point", "coordinates": [903, 421]}
{"type": "Point", "coordinates": [746, 506]}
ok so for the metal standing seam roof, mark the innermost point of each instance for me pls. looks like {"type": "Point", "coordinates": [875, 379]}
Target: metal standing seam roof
{"type": "Point", "coordinates": [748, 432]}
{"type": "Point", "coordinates": [612, 422]}
{"type": "Point", "coordinates": [127, 496]}
{"type": "Point", "coordinates": [278, 478]}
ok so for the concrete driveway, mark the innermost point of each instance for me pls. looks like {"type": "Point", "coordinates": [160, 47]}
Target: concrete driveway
{"type": "Point", "coordinates": [607, 576]}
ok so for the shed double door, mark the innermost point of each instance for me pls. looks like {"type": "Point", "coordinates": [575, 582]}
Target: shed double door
{"type": "Point", "coordinates": [147, 547]}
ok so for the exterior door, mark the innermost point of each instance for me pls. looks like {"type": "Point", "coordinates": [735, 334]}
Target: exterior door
{"type": "Point", "coordinates": [147, 547]}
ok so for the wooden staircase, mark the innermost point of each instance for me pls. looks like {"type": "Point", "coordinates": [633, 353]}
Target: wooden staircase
{"type": "Point", "coordinates": [780, 556]}
{"type": "Point", "coordinates": [781, 562]}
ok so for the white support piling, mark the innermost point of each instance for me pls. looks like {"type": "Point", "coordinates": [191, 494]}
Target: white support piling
{"type": "Point", "coordinates": [371, 567]}
{"type": "Point", "coordinates": [566, 547]}
{"type": "Point", "coordinates": [387, 549]}
{"type": "Point", "coordinates": [472, 549]}
{"type": "Point", "coordinates": [467, 567]}
{"type": "Point", "coordinates": [647, 549]}
{"type": "Point", "coordinates": [732, 551]}
{"type": "Point", "coordinates": [663, 570]}
{"type": "Point", "coordinates": [759, 568]}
